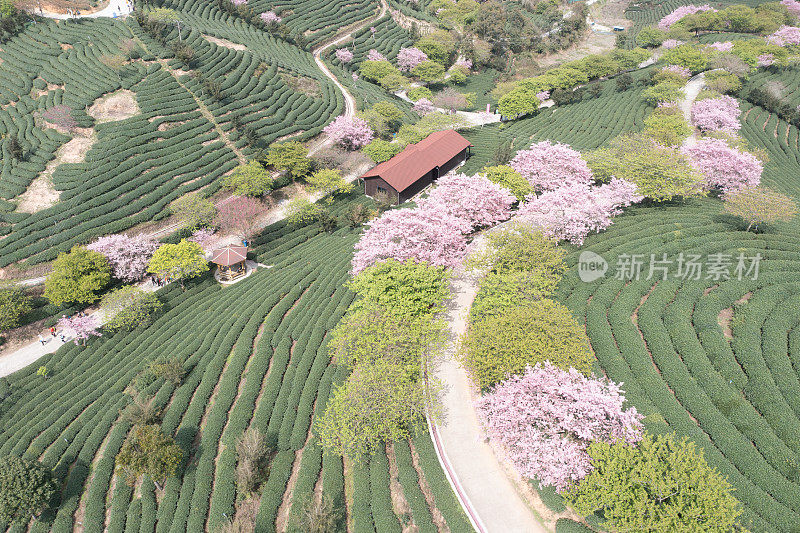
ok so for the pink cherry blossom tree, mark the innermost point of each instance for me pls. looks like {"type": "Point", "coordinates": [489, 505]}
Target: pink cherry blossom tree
{"type": "Point", "coordinates": [765, 60]}
{"type": "Point", "coordinates": [543, 95]}
{"type": "Point", "coordinates": [724, 46]}
{"type": "Point", "coordinates": [793, 6]}
{"type": "Point", "coordinates": [128, 256]}
{"type": "Point", "coordinates": [270, 17]}
{"type": "Point", "coordinates": [60, 116]}
{"type": "Point", "coordinates": [474, 199]}
{"type": "Point", "coordinates": [423, 107]}
{"type": "Point", "coordinates": [349, 132]}
{"type": "Point", "coordinates": [575, 210]}
{"type": "Point", "coordinates": [344, 55]}
{"type": "Point", "coordinates": [463, 62]}
{"type": "Point", "coordinates": [374, 55]}
{"type": "Point", "coordinates": [666, 22]}
{"type": "Point", "coordinates": [422, 234]}
{"type": "Point", "coordinates": [80, 328]}
{"type": "Point", "coordinates": [408, 58]}
{"type": "Point", "coordinates": [724, 168]}
{"type": "Point", "coordinates": [671, 43]}
{"type": "Point", "coordinates": [716, 114]}
{"type": "Point", "coordinates": [785, 36]}
{"type": "Point", "coordinates": [550, 165]}
{"type": "Point", "coordinates": [205, 237]}
{"type": "Point", "coordinates": [546, 419]}
{"type": "Point", "coordinates": [238, 3]}
{"type": "Point", "coordinates": [240, 216]}
{"type": "Point", "coordinates": [683, 72]}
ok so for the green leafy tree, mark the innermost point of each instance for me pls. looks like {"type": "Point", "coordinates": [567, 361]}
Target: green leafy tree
{"type": "Point", "coordinates": [419, 92]}
{"type": "Point", "coordinates": [686, 55]}
{"type": "Point", "coordinates": [250, 179]}
{"type": "Point", "coordinates": [77, 276]}
{"type": "Point", "coordinates": [660, 173]}
{"type": "Point", "coordinates": [328, 181]}
{"type": "Point", "coordinates": [178, 261]}
{"type": "Point", "coordinates": [518, 102]}
{"type": "Point", "coordinates": [661, 485]}
{"type": "Point", "coordinates": [439, 46]}
{"type": "Point", "coordinates": [509, 178]}
{"type": "Point", "coordinates": [301, 210]}
{"type": "Point", "coordinates": [129, 307]}
{"type": "Point", "coordinates": [375, 70]}
{"type": "Point", "coordinates": [291, 157]}
{"type": "Point", "coordinates": [194, 211]}
{"type": "Point", "coordinates": [667, 126]}
{"type": "Point", "coordinates": [26, 488]}
{"type": "Point", "coordinates": [662, 92]}
{"type": "Point", "coordinates": [650, 37]}
{"type": "Point", "coordinates": [14, 303]}
{"type": "Point", "coordinates": [380, 150]}
{"type": "Point", "coordinates": [760, 205]}
{"type": "Point", "coordinates": [630, 58]}
{"type": "Point", "coordinates": [377, 403]}
{"type": "Point", "coordinates": [148, 451]}
{"type": "Point", "coordinates": [384, 118]}
{"type": "Point", "coordinates": [429, 71]}
{"type": "Point", "coordinates": [407, 288]}
{"type": "Point", "coordinates": [169, 368]}
{"type": "Point", "coordinates": [499, 346]}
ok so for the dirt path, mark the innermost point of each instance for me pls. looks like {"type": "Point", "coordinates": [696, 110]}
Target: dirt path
{"type": "Point", "coordinates": [489, 497]}
{"type": "Point", "coordinates": [692, 89]}
{"type": "Point", "coordinates": [114, 9]}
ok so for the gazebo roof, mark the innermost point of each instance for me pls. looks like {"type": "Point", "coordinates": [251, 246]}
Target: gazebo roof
{"type": "Point", "coordinates": [230, 255]}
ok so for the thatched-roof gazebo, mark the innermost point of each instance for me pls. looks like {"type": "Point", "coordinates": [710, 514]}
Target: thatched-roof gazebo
{"type": "Point", "coordinates": [230, 261]}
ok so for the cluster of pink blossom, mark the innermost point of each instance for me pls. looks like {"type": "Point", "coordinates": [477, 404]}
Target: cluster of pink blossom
{"type": "Point", "coordinates": [546, 419]}
{"type": "Point", "coordinates": [270, 17]}
{"type": "Point", "coordinates": [543, 95]}
{"type": "Point", "coordinates": [671, 43]}
{"type": "Point", "coordinates": [724, 168]}
{"type": "Point", "coordinates": [127, 256]}
{"type": "Point", "coordinates": [765, 60]}
{"type": "Point", "coordinates": [549, 166]}
{"type": "Point", "coordinates": [423, 107]}
{"type": "Point", "coordinates": [793, 6]}
{"type": "Point", "coordinates": [80, 327]}
{"type": "Point", "coordinates": [667, 104]}
{"type": "Point", "coordinates": [374, 55]}
{"type": "Point", "coordinates": [350, 133]}
{"type": "Point", "coordinates": [722, 46]}
{"type": "Point", "coordinates": [785, 36]}
{"type": "Point", "coordinates": [666, 22]}
{"type": "Point", "coordinates": [408, 58]}
{"type": "Point", "coordinates": [683, 72]}
{"type": "Point", "coordinates": [238, 3]}
{"type": "Point", "coordinates": [204, 237]}
{"type": "Point", "coordinates": [575, 210]}
{"type": "Point", "coordinates": [463, 62]}
{"type": "Point", "coordinates": [422, 234]}
{"type": "Point", "coordinates": [716, 114]}
{"type": "Point", "coordinates": [475, 199]}
{"type": "Point", "coordinates": [344, 55]}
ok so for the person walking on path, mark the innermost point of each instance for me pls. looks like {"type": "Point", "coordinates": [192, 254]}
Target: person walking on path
{"type": "Point", "coordinates": [52, 331]}
{"type": "Point", "coordinates": [41, 339]}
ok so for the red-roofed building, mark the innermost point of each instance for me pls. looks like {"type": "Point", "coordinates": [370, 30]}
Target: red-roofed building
{"type": "Point", "coordinates": [416, 167]}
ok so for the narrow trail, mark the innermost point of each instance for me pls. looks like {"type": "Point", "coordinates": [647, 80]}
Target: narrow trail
{"type": "Point", "coordinates": [486, 493]}
{"type": "Point", "coordinates": [692, 89]}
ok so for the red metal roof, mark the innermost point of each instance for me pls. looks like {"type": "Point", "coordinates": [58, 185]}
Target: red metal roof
{"type": "Point", "coordinates": [230, 255]}
{"type": "Point", "coordinates": [416, 160]}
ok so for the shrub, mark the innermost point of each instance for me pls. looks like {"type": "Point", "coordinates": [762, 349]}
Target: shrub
{"type": "Point", "coordinates": [759, 205]}
{"type": "Point", "coordinates": [14, 303]}
{"type": "Point", "coordinates": [380, 150]}
{"type": "Point", "coordinates": [148, 451]}
{"type": "Point", "coordinates": [546, 418]}
{"type": "Point", "coordinates": [129, 307]}
{"type": "Point", "coordinates": [628, 484]}
{"type": "Point", "coordinates": [77, 276]}
{"type": "Point", "coordinates": [26, 488]}
{"type": "Point", "coordinates": [408, 288]}
{"type": "Point", "coordinates": [723, 82]}
{"type": "Point", "coordinates": [497, 347]}
{"type": "Point", "coordinates": [252, 452]}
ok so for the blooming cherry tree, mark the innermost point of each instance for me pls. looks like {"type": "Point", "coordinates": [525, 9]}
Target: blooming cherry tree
{"type": "Point", "coordinates": [349, 132]}
{"type": "Point", "coordinates": [543, 95]}
{"type": "Point", "coordinates": [344, 55]}
{"type": "Point", "coordinates": [671, 43]}
{"type": "Point", "coordinates": [724, 168]}
{"type": "Point", "coordinates": [80, 328]}
{"type": "Point", "coordinates": [474, 199]}
{"type": "Point", "coordinates": [716, 114]}
{"type": "Point", "coordinates": [238, 3]}
{"type": "Point", "coordinates": [793, 6]}
{"type": "Point", "coordinates": [666, 22]}
{"type": "Point", "coordinates": [408, 58]}
{"type": "Point", "coordinates": [463, 62]}
{"type": "Point", "coordinates": [683, 72]}
{"type": "Point", "coordinates": [423, 107]}
{"type": "Point", "coordinates": [127, 256]}
{"type": "Point", "coordinates": [725, 46]}
{"type": "Point", "coordinates": [546, 419]}
{"type": "Point", "coordinates": [422, 234]}
{"type": "Point", "coordinates": [573, 211]}
{"type": "Point", "coordinates": [240, 216]}
{"type": "Point", "coordinates": [270, 17]}
{"type": "Point", "coordinates": [550, 165]}
{"type": "Point", "coordinates": [765, 60]}
{"type": "Point", "coordinates": [785, 36]}
{"type": "Point", "coordinates": [374, 55]}
{"type": "Point", "coordinates": [205, 238]}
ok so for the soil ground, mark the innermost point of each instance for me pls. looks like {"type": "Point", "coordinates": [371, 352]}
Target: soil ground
{"type": "Point", "coordinates": [61, 6]}
{"type": "Point", "coordinates": [118, 105]}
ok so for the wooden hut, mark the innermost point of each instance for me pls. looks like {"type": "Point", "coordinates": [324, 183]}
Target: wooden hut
{"type": "Point", "coordinates": [230, 262]}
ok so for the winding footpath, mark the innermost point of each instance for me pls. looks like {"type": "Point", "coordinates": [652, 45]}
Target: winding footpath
{"type": "Point", "coordinates": [487, 494]}
{"type": "Point", "coordinates": [692, 89]}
